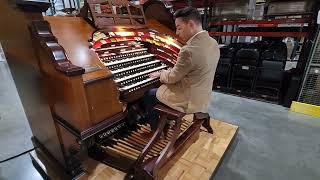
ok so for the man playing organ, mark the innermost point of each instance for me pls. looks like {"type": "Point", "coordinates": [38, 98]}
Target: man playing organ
{"type": "Point", "coordinates": [187, 86]}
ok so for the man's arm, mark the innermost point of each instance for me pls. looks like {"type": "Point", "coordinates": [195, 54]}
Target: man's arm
{"type": "Point", "coordinates": [181, 68]}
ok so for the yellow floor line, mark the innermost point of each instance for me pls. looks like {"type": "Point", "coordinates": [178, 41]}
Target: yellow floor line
{"type": "Point", "coordinates": [304, 108]}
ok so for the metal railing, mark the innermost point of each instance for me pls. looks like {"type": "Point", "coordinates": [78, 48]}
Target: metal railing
{"type": "Point", "coordinates": [310, 91]}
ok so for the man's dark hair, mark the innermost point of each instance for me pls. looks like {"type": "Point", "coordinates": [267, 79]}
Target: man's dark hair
{"type": "Point", "coordinates": [188, 13]}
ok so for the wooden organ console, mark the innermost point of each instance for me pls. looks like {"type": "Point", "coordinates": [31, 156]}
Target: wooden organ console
{"type": "Point", "coordinates": [94, 79]}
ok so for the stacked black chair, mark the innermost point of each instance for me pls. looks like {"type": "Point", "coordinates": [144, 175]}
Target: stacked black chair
{"type": "Point", "coordinates": [245, 69]}
{"type": "Point", "coordinates": [270, 73]}
{"type": "Point", "coordinates": [225, 64]}
{"type": "Point", "coordinates": [222, 76]}
{"type": "Point", "coordinates": [259, 45]}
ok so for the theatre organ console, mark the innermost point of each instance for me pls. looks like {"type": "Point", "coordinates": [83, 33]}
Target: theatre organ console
{"type": "Point", "coordinates": [95, 78]}
{"type": "Point", "coordinates": [132, 55]}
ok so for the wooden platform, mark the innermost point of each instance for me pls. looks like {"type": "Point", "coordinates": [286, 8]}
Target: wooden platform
{"type": "Point", "coordinates": [200, 161]}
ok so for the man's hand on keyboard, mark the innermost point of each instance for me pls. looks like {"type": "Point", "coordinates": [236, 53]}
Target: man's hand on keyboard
{"type": "Point", "coordinates": [155, 74]}
{"type": "Point", "coordinates": [158, 73]}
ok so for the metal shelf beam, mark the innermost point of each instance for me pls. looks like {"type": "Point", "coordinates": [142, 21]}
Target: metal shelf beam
{"type": "Point", "coordinates": [264, 34]}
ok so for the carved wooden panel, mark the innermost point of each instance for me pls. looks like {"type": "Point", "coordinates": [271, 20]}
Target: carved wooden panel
{"type": "Point", "coordinates": [106, 13]}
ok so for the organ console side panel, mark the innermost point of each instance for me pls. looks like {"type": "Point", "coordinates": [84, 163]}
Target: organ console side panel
{"type": "Point", "coordinates": [78, 52]}
{"type": "Point", "coordinates": [23, 64]}
{"type": "Point", "coordinates": [76, 98]}
{"type": "Point", "coordinates": [82, 101]}
{"type": "Point", "coordinates": [105, 105]}
{"type": "Point", "coordinates": [68, 96]}
{"type": "Point", "coordinates": [14, 39]}
{"type": "Point", "coordinates": [62, 91]}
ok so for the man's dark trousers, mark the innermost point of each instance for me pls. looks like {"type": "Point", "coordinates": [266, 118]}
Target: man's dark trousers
{"type": "Point", "coordinates": [150, 100]}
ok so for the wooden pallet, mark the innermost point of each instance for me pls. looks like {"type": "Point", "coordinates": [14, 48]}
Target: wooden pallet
{"type": "Point", "coordinates": [199, 161]}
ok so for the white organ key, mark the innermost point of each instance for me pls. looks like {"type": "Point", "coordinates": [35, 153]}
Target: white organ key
{"type": "Point", "coordinates": [134, 67]}
{"type": "Point", "coordinates": [128, 59]}
{"type": "Point", "coordinates": [141, 73]}
{"type": "Point", "coordinates": [112, 47]}
{"type": "Point", "coordinates": [133, 50]}
{"type": "Point", "coordinates": [137, 84]}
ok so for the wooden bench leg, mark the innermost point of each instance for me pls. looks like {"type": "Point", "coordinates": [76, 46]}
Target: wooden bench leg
{"type": "Point", "coordinates": [206, 120]}
{"type": "Point", "coordinates": [206, 124]}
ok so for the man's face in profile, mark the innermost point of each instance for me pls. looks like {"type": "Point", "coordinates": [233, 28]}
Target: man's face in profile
{"type": "Point", "coordinates": [183, 29]}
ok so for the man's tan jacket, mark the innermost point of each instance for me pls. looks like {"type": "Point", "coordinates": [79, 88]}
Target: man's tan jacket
{"type": "Point", "coordinates": [188, 85]}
